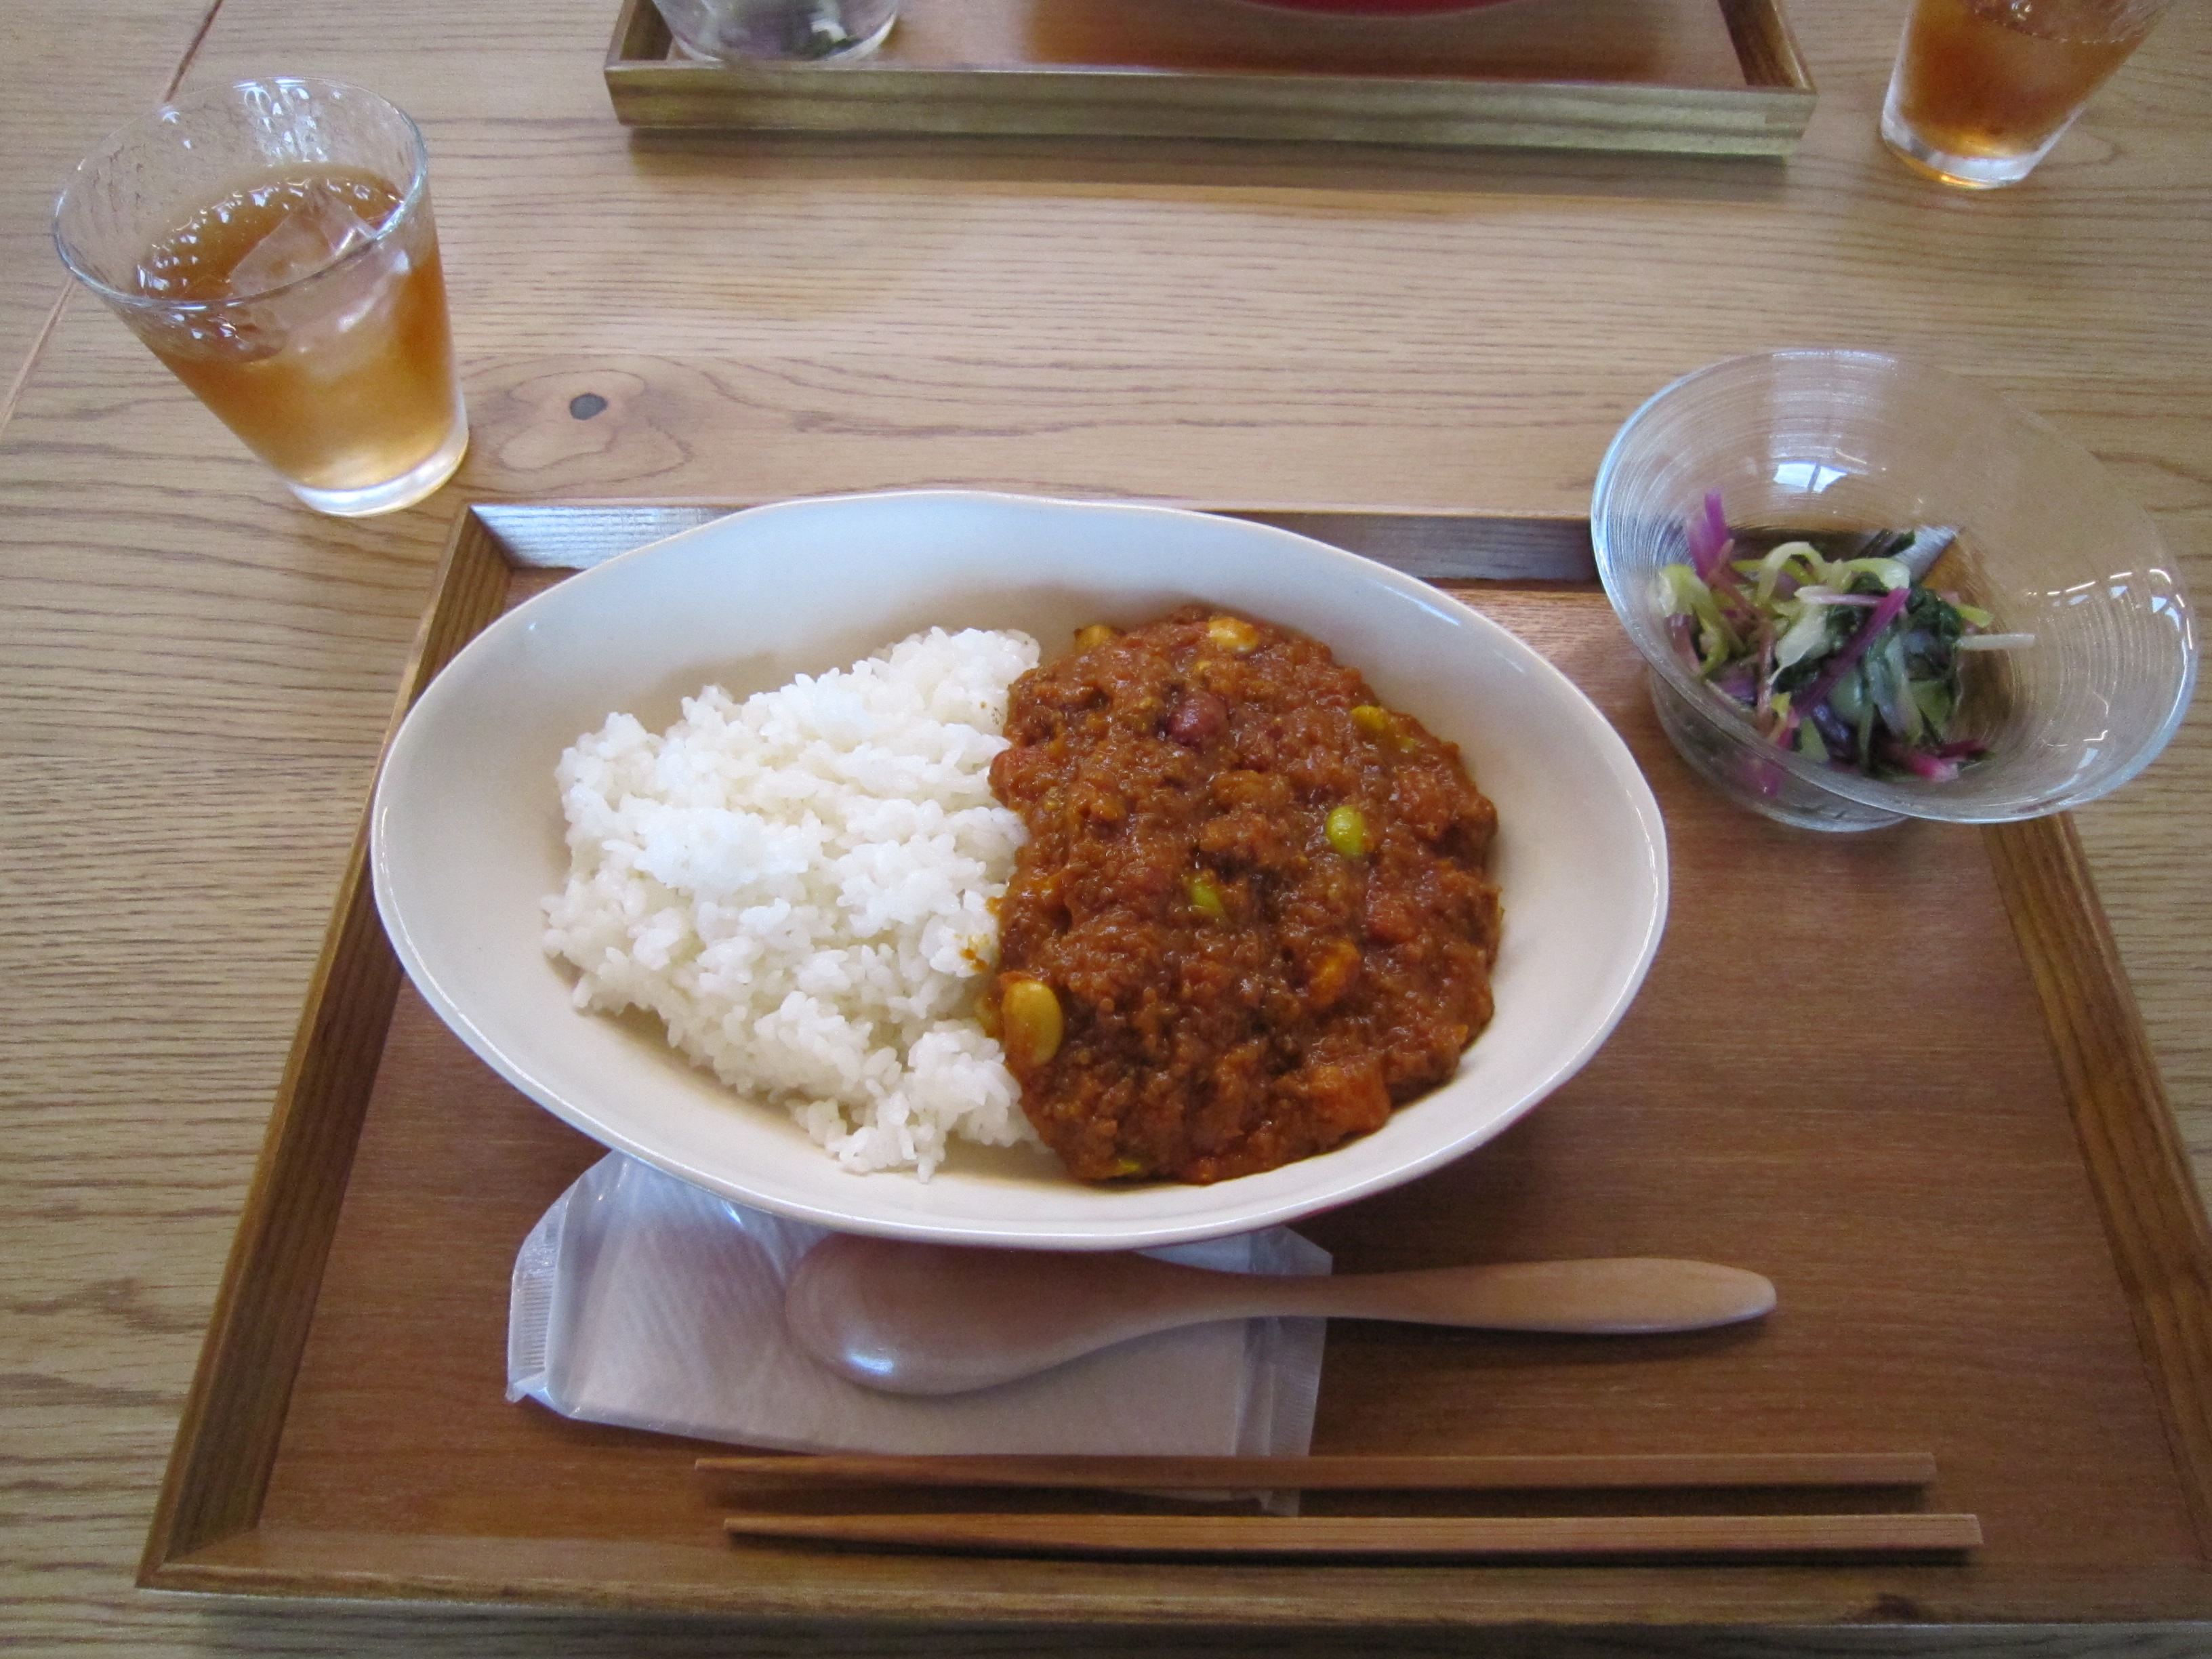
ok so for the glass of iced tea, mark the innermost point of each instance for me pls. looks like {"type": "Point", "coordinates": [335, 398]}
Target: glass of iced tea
{"type": "Point", "coordinates": [1983, 88]}
{"type": "Point", "coordinates": [272, 242]}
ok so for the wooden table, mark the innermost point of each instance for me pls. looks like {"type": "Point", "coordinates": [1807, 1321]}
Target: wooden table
{"type": "Point", "coordinates": [197, 672]}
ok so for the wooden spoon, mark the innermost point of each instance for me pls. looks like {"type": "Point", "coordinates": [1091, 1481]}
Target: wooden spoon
{"type": "Point", "coordinates": [941, 1319]}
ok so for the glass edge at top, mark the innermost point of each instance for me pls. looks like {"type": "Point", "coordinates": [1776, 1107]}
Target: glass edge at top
{"type": "Point", "coordinates": [418, 185]}
{"type": "Point", "coordinates": [1877, 793]}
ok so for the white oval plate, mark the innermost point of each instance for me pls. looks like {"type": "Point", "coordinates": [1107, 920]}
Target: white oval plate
{"type": "Point", "coordinates": [466, 834]}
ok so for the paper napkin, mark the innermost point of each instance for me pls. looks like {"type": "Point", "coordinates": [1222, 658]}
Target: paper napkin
{"type": "Point", "coordinates": [643, 1301]}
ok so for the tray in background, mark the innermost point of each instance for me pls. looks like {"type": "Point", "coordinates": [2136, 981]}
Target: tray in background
{"type": "Point", "coordinates": [1899, 1072]}
{"type": "Point", "coordinates": [1714, 77]}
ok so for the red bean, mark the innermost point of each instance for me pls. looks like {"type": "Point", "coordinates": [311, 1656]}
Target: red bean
{"type": "Point", "coordinates": [1198, 716]}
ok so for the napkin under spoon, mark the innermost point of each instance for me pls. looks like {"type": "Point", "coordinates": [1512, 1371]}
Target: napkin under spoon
{"type": "Point", "coordinates": [910, 1318]}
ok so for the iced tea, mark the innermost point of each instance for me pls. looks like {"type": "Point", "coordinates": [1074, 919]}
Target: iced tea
{"type": "Point", "coordinates": [1983, 88]}
{"type": "Point", "coordinates": [272, 241]}
{"type": "Point", "coordinates": [327, 352]}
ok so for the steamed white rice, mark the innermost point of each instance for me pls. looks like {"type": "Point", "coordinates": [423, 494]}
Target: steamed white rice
{"type": "Point", "coordinates": [800, 887]}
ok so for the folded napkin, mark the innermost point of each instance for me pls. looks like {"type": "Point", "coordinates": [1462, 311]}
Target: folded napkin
{"type": "Point", "coordinates": [643, 1301]}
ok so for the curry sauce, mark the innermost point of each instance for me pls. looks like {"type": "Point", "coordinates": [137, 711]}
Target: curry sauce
{"type": "Point", "coordinates": [1252, 916]}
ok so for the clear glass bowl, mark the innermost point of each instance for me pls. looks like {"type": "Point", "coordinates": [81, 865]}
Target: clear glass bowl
{"type": "Point", "coordinates": [1822, 440]}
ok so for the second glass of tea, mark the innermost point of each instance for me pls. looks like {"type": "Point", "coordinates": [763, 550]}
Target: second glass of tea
{"type": "Point", "coordinates": [1983, 88]}
{"type": "Point", "coordinates": [271, 242]}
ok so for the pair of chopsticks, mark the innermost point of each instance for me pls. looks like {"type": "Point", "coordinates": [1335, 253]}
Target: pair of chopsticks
{"type": "Point", "coordinates": [1806, 1533]}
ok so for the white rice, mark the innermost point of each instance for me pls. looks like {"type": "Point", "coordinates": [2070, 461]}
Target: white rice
{"type": "Point", "coordinates": [800, 886]}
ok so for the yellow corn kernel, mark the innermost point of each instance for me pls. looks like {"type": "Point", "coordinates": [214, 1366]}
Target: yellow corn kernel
{"type": "Point", "coordinates": [1206, 899]}
{"type": "Point", "coordinates": [1096, 633]}
{"type": "Point", "coordinates": [1384, 726]}
{"type": "Point", "coordinates": [1347, 831]}
{"type": "Point", "coordinates": [1029, 1022]}
{"type": "Point", "coordinates": [1233, 634]}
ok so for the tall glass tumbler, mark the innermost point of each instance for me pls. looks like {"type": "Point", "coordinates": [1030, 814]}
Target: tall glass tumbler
{"type": "Point", "coordinates": [271, 242]}
{"type": "Point", "coordinates": [1983, 88]}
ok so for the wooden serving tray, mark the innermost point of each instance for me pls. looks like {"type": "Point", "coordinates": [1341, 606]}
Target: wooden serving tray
{"type": "Point", "coordinates": [1899, 1073]}
{"type": "Point", "coordinates": [1715, 78]}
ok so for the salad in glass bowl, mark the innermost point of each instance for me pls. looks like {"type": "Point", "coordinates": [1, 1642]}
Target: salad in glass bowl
{"type": "Point", "coordinates": [1868, 591]}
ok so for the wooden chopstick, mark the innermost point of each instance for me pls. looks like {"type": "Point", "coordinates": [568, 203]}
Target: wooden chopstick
{"type": "Point", "coordinates": [1396, 1535]}
{"type": "Point", "coordinates": [1496, 1473]}
{"type": "Point", "coordinates": [1457, 1536]}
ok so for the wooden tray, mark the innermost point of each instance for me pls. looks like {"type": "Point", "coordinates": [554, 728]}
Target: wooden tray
{"type": "Point", "coordinates": [1716, 77]}
{"type": "Point", "coordinates": [1899, 1072]}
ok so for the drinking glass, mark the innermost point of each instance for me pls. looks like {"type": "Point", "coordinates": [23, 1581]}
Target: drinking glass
{"type": "Point", "coordinates": [724, 31]}
{"type": "Point", "coordinates": [271, 242]}
{"type": "Point", "coordinates": [1983, 88]}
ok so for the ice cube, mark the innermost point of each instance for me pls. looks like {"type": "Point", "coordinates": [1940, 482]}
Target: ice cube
{"type": "Point", "coordinates": [321, 230]}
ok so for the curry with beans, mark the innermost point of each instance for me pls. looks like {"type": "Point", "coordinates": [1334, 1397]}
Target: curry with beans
{"type": "Point", "coordinates": [1252, 916]}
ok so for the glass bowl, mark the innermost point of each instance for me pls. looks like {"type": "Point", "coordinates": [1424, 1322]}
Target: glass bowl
{"type": "Point", "coordinates": [1857, 441]}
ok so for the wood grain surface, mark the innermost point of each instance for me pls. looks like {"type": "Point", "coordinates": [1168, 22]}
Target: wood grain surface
{"type": "Point", "coordinates": [61, 95]}
{"type": "Point", "coordinates": [197, 672]}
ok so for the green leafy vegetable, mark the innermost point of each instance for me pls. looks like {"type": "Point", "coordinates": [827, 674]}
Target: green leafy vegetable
{"type": "Point", "coordinates": [1837, 652]}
